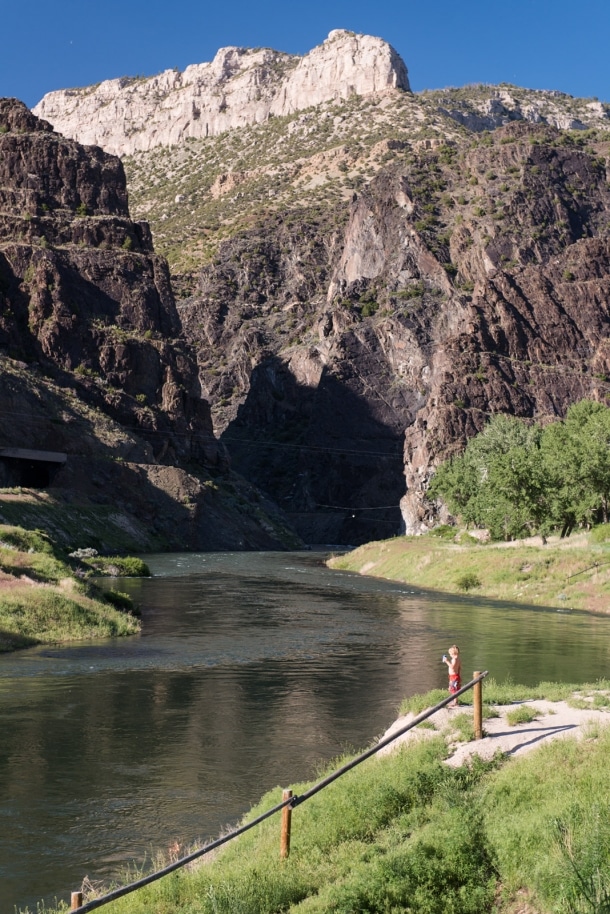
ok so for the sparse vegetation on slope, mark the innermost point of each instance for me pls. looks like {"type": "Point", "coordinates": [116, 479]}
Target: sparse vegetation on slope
{"type": "Point", "coordinates": [203, 191]}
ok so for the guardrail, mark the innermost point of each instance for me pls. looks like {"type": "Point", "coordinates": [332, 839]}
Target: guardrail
{"type": "Point", "coordinates": [595, 565]}
{"type": "Point", "coordinates": [289, 802]}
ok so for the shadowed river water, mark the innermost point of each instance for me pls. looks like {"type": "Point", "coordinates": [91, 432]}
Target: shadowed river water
{"type": "Point", "coordinates": [251, 669]}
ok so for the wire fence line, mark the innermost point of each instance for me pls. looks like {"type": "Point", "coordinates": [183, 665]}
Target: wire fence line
{"type": "Point", "coordinates": [291, 802]}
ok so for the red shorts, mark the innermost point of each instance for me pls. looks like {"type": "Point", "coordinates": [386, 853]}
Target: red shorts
{"type": "Point", "coordinates": [454, 684]}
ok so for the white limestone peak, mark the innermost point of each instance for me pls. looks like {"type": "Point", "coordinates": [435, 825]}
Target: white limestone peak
{"type": "Point", "coordinates": [240, 86]}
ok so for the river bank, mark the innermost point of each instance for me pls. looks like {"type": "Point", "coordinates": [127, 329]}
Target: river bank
{"type": "Point", "coordinates": [572, 573]}
{"type": "Point", "coordinates": [45, 598]}
{"type": "Point", "coordinates": [435, 824]}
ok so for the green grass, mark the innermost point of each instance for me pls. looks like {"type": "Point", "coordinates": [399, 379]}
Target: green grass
{"type": "Point", "coordinates": [407, 833]}
{"type": "Point", "coordinates": [44, 615]}
{"type": "Point", "coordinates": [42, 601]}
{"type": "Point", "coordinates": [461, 727]}
{"type": "Point", "coordinates": [568, 574]}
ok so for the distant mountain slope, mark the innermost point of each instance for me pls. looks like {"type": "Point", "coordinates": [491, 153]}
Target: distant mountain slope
{"type": "Point", "coordinates": [368, 279]}
{"type": "Point", "coordinates": [464, 279]}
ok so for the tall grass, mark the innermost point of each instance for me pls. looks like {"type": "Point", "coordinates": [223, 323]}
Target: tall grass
{"type": "Point", "coordinates": [548, 819]}
{"type": "Point", "coordinates": [394, 834]}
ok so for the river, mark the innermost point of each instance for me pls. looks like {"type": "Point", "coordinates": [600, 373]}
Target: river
{"type": "Point", "coordinates": [252, 669]}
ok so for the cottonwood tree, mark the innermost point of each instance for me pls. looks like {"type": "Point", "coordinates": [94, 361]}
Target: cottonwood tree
{"type": "Point", "coordinates": [517, 478]}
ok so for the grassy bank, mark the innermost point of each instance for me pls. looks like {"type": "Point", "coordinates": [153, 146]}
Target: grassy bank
{"type": "Point", "coordinates": [407, 833]}
{"type": "Point", "coordinates": [568, 573]}
{"type": "Point", "coordinates": [46, 597]}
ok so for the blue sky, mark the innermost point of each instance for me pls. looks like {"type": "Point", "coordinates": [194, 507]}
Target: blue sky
{"type": "Point", "coordinates": [55, 44]}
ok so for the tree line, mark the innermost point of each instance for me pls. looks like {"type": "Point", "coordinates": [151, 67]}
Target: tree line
{"type": "Point", "coordinates": [517, 478]}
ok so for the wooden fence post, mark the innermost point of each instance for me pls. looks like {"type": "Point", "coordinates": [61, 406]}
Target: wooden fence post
{"type": "Point", "coordinates": [286, 822]}
{"type": "Point", "coordinates": [76, 901]}
{"type": "Point", "coordinates": [477, 707]}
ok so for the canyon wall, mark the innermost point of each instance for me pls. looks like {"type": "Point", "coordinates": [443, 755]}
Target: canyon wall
{"type": "Point", "coordinates": [92, 361]}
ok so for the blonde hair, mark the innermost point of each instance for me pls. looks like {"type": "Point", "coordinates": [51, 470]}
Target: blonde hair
{"type": "Point", "coordinates": [454, 647]}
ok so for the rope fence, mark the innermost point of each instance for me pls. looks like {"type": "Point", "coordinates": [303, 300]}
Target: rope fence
{"type": "Point", "coordinates": [290, 802]}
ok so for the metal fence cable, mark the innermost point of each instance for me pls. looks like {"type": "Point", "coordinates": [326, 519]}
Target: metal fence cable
{"type": "Point", "coordinates": [291, 801]}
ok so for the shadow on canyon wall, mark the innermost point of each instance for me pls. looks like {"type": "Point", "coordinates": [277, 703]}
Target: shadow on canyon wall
{"type": "Point", "coordinates": [332, 465]}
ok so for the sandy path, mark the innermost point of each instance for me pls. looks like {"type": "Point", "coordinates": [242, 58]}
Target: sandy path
{"type": "Point", "coordinates": [554, 720]}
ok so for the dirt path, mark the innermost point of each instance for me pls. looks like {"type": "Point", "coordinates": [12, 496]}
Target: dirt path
{"type": "Point", "coordinates": [554, 720]}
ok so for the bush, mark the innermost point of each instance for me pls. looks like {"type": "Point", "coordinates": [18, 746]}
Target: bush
{"type": "Point", "coordinates": [468, 581]}
{"type": "Point", "coordinates": [443, 532]}
{"type": "Point", "coordinates": [118, 566]}
{"type": "Point", "coordinates": [600, 534]}
{"type": "Point", "coordinates": [523, 715]}
{"type": "Point", "coordinates": [369, 308]}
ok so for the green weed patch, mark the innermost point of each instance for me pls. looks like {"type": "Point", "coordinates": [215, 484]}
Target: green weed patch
{"type": "Point", "coordinates": [42, 601]}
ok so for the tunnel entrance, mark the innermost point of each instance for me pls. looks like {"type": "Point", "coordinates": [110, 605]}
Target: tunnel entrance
{"type": "Point", "coordinates": [29, 469]}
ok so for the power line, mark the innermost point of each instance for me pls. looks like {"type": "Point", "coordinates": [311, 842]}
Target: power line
{"type": "Point", "coordinates": [346, 508]}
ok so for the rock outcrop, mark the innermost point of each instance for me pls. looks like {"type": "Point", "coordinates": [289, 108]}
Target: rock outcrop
{"type": "Point", "coordinates": [483, 107]}
{"type": "Point", "coordinates": [470, 279]}
{"type": "Point", "coordinates": [239, 87]}
{"type": "Point", "coordinates": [92, 362]}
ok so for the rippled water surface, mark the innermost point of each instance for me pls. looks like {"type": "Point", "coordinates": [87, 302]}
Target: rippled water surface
{"type": "Point", "coordinates": [251, 668]}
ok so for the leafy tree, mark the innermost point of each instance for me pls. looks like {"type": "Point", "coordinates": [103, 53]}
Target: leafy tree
{"type": "Point", "coordinates": [498, 482]}
{"type": "Point", "coordinates": [515, 477]}
{"type": "Point", "coordinates": [577, 453]}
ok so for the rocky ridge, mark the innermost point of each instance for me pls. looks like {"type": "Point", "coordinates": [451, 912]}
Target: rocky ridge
{"type": "Point", "coordinates": [91, 355]}
{"type": "Point", "coordinates": [239, 87]}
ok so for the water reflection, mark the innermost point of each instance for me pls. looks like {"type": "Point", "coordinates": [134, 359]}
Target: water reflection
{"type": "Point", "coordinates": [250, 669]}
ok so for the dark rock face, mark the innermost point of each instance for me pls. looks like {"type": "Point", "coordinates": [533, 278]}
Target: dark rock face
{"type": "Point", "coordinates": [84, 294]}
{"type": "Point", "coordinates": [468, 280]}
{"type": "Point", "coordinates": [524, 309]}
{"type": "Point", "coordinates": [301, 397]}
{"type": "Point", "coordinates": [87, 306]}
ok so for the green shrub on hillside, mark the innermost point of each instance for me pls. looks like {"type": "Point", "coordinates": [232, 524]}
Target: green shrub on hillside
{"type": "Point", "coordinates": [600, 534]}
{"type": "Point", "coordinates": [118, 566]}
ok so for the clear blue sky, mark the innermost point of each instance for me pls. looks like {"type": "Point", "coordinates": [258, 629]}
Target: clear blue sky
{"type": "Point", "coordinates": [546, 44]}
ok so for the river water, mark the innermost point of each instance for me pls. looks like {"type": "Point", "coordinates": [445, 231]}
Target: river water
{"type": "Point", "coordinates": [251, 670]}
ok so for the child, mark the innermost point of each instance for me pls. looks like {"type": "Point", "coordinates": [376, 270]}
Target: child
{"type": "Point", "coordinates": [454, 665]}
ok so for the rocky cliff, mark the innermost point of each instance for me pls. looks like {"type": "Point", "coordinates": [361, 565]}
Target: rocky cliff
{"type": "Point", "coordinates": [467, 279]}
{"type": "Point", "coordinates": [239, 87]}
{"type": "Point", "coordinates": [92, 363]}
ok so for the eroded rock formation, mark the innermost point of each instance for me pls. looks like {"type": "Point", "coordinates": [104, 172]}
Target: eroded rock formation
{"type": "Point", "coordinates": [239, 87]}
{"type": "Point", "coordinates": [471, 279]}
{"type": "Point", "coordinates": [93, 363]}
